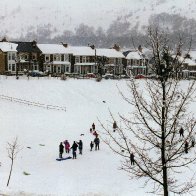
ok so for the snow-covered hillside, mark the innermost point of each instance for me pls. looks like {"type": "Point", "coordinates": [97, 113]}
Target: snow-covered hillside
{"type": "Point", "coordinates": [20, 17]}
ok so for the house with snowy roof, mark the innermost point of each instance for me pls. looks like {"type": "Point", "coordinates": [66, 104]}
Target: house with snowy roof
{"type": "Point", "coordinates": [114, 60]}
{"type": "Point", "coordinates": [55, 58]}
{"type": "Point", "coordinates": [82, 59]}
{"type": "Point", "coordinates": [136, 62]}
{"type": "Point", "coordinates": [28, 56]}
{"type": "Point", "coordinates": [8, 55]}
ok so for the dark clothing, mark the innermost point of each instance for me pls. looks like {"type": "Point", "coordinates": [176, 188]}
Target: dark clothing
{"type": "Point", "coordinates": [114, 125]}
{"type": "Point", "coordinates": [186, 146]}
{"type": "Point", "coordinates": [74, 149]}
{"type": "Point", "coordinates": [192, 141]}
{"type": "Point", "coordinates": [181, 132]}
{"type": "Point", "coordinates": [96, 141]}
{"type": "Point", "coordinates": [91, 145]}
{"type": "Point", "coordinates": [93, 126]}
{"type": "Point", "coordinates": [132, 159]}
{"type": "Point", "coordinates": [80, 146]}
{"type": "Point", "coordinates": [61, 150]}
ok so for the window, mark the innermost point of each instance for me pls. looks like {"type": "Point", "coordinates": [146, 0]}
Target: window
{"type": "Point", "coordinates": [62, 57]}
{"type": "Point", "coordinates": [13, 67]}
{"type": "Point", "coordinates": [119, 61]}
{"type": "Point", "coordinates": [66, 57]}
{"type": "Point", "coordinates": [35, 67]}
{"type": "Point", "coordinates": [9, 67]}
{"type": "Point", "coordinates": [34, 56]}
{"type": "Point", "coordinates": [9, 56]}
{"type": "Point", "coordinates": [47, 57]}
{"type": "Point", "coordinates": [13, 56]}
{"type": "Point", "coordinates": [112, 61]}
{"type": "Point", "coordinates": [87, 59]}
{"type": "Point", "coordinates": [77, 59]}
{"type": "Point", "coordinates": [67, 69]}
{"type": "Point", "coordinates": [57, 57]}
{"type": "Point", "coordinates": [83, 59]}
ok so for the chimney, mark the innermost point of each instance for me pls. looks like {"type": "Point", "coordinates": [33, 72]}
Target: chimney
{"type": "Point", "coordinates": [4, 39]}
{"type": "Point", "coordinates": [34, 43]}
{"type": "Point", "coordinates": [116, 47]}
{"type": "Point", "coordinates": [140, 48]}
{"type": "Point", "coordinates": [65, 44]}
{"type": "Point", "coordinates": [92, 46]}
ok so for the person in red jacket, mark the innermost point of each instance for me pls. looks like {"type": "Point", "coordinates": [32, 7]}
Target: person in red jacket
{"type": "Point", "coordinates": [67, 146]}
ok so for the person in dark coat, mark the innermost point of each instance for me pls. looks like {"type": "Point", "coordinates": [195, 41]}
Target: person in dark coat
{"type": "Point", "coordinates": [61, 150]}
{"type": "Point", "coordinates": [186, 146]}
{"type": "Point", "coordinates": [74, 149]}
{"type": "Point", "coordinates": [80, 146]}
{"type": "Point", "coordinates": [96, 141]}
{"type": "Point", "coordinates": [91, 130]}
{"type": "Point", "coordinates": [192, 141]}
{"type": "Point", "coordinates": [181, 131]}
{"type": "Point", "coordinates": [114, 126]}
{"type": "Point", "coordinates": [91, 145]}
{"type": "Point", "coordinates": [132, 159]}
{"type": "Point", "coordinates": [93, 126]}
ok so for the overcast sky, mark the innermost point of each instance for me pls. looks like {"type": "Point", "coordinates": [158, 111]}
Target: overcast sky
{"type": "Point", "coordinates": [21, 15]}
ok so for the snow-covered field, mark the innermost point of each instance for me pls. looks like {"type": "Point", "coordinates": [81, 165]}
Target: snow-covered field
{"type": "Point", "coordinates": [94, 173]}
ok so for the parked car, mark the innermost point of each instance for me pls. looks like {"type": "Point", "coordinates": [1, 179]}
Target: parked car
{"type": "Point", "coordinates": [108, 76]}
{"type": "Point", "coordinates": [36, 73]}
{"type": "Point", "coordinates": [140, 76]}
{"type": "Point", "coordinates": [91, 75]}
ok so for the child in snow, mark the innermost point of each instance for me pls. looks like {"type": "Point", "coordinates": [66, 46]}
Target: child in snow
{"type": "Point", "coordinates": [95, 133]}
{"type": "Point", "coordinates": [181, 131]}
{"type": "Point", "coordinates": [186, 146]}
{"type": "Point", "coordinates": [132, 159]}
{"type": "Point", "coordinates": [61, 150]}
{"type": "Point", "coordinates": [74, 149]}
{"type": "Point", "coordinates": [91, 145]}
{"type": "Point", "coordinates": [114, 126]}
{"type": "Point", "coordinates": [67, 146]}
{"type": "Point", "coordinates": [80, 146]}
{"type": "Point", "coordinates": [93, 126]}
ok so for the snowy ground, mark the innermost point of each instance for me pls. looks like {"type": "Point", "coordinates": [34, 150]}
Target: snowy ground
{"type": "Point", "coordinates": [92, 174]}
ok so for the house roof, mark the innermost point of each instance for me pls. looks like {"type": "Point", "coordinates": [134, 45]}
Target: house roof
{"type": "Point", "coordinates": [27, 47]}
{"type": "Point", "coordinates": [189, 62]}
{"type": "Point", "coordinates": [135, 55]}
{"type": "Point", "coordinates": [8, 47]}
{"type": "Point", "coordinates": [52, 48]}
{"type": "Point", "coordinates": [80, 50]}
{"type": "Point", "coordinates": [110, 53]}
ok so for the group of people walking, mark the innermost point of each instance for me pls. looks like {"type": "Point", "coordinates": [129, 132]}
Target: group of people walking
{"type": "Point", "coordinates": [65, 146]}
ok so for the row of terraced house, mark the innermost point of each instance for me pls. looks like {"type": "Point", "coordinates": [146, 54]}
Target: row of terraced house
{"type": "Point", "coordinates": [16, 56]}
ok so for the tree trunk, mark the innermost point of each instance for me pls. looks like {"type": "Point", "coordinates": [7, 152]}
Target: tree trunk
{"type": "Point", "coordinates": [10, 173]}
{"type": "Point", "coordinates": [165, 185]}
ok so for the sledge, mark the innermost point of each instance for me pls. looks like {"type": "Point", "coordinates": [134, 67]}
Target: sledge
{"type": "Point", "coordinates": [62, 159]}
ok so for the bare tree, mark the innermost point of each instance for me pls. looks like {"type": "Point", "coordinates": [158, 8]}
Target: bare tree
{"type": "Point", "coordinates": [156, 140]}
{"type": "Point", "coordinates": [12, 149]}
